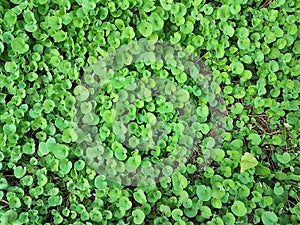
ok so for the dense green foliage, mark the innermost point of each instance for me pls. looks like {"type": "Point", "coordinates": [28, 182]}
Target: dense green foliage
{"type": "Point", "coordinates": [49, 50]}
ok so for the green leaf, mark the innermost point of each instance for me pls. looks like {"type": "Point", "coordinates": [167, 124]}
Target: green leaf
{"type": "Point", "coordinates": [236, 145]}
{"type": "Point", "coordinates": [55, 22]}
{"type": "Point", "coordinates": [96, 215]}
{"type": "Point", "coordinates": [167, 170]}
{"type": "Point", "coordinates": [187, 27]}
{"type": "Point", "coordinates": [3, 183]}
{"type": "Point", "coordinates": [262, 170]}
{"type": "Point", "coordinates": [140, 197]}
{"type": "Point", "coordinates": [284, 158]}
{"type": "Point", "coordinates": [81, 93]}
{"type": "Point", "coordinates": [167, 5]}
{"type": "Point", "coordinates": [19, 46]}
{"type": "Point", "coordinates": [59, 36]}
{"type": "Point", "coordinates": [208, 9]}
{"type": "Point", "coordinates": [48, 105]}
{"type": "Point", "coordinates": [138, 216]}
{"type": "Point", "coordinates": [278, 189]}
{"type": "Point", "coordinates": [205, 211]}
{"type": "Point", "coordinates": [124, 203]}
{"type": "Point", "coordinates": [244, 44]}
{"type": "Point", "coordinates": [204, 128]}
{"type": "Point", "coordinates": [156, 21]}
{"type": "Point", "coordinates": [220, 52]}
{"type": "Point", "coordinates": [31, 27]}
{"type": "Point", "coordinates": [79, 165]}
{"type": "Point", "coordinates": [216, 203]}
{"type": "Point", "coordinates": [42, 179]}
{"type": "Point", "coordinates": [26, 180]}
{"type": "Point", "coordinates": [269, 37]}
{"type": "Point", "coordinates": [218, 155]}
{"type": "Point", "coordinates": [237, 67]}
{"type": "Point", "coordinates": [203, 111]}
{"type": "Point", "coordinates": [224, 12]}
{"type": "Point", "coordinates": [9, 129]}
{"type": "Point", "coordinates": [100, 182]}
{"type": "Point", "coordinates": [228, 30]}
{"type": "Point", "coordinates": [58, 219]}
{"type": "Point", "coordinates": [65, 166]}
{"type": "Point", "coordinates": [181, 77]}
{"type": "Point", "coordinates": [177, 214]}
{"type": "Point", "coordinates": [296, 48]}
{"type": "Point", "coordinates": [254, 139]}
{"type": "Point", "coordinates": [269, 218]}
{"type": "Point", "coordinates": [1, 47]}
{"type": "Point", "coordinates": [19, 172]}
{"type": "Point", "coordinates": [237, 108]}
{"type": "Point", "coordinates": [10, 17]}
{"type": "Point", "coordinates": [179, 181]}
{"type": "Point", "coordinates": [248, 161]}
{"type": "Point", "coordinates": [61, 124]}
{"type": "Point", "coordinates": [54, 201]}
{"type": "Point", "coordinates": [175, 38]}
{"type": "Point", "coordinates": [238, 208]}
{"type": "Point", "coordinates": [120, 153]}
{"type": "Point", "coordinates": [235, 8]}
{"type": "Point", "coordinates": [60, 151]}
{"type": "Point", "coordinates": [229, 219]}
{"type": "Point", "coordinates": [182, 95]}
{"type": "Point", "coordinates": [242, 32]}
{"type": "Point", "coordinates": [69, 135]}
{"type": "Point", "coordinates": [128, 33]}
{"type": "Point", "coordinates": [14, 202]}
{"type": "Point", "coordinates": [198, 40]}
{"type": "Point", "coordinates": [145, 28]}
{"type": "Point", "coordinates": [29, 17]}
{"type": "Point", "coordinates": [64, 66]}
{"type": "Point", "coordinates": [114, 194]}
{"type": "Point", "coordinates": [43, 149]}
{"type": "Point", "coordinates": [28, 148]}
{"type": "Point", "coordinates": [154, 196]}
{"type": "Point", "coordinates": [133, 142]}
{"type": "Point", "coordinates": [276, 140]}
{"type": "Point", "coordinates": [120, 24]}
{"type": "Point", "coordinates": [167, 108]}
{"type": "Point", "coordinates": [273, 66]}
{"type": "Point", "coordinates": [296, 209]}
{"type": "Point", "coordinates": [203, 193]}
{"type": "Point", "coordinates": [92, 119]}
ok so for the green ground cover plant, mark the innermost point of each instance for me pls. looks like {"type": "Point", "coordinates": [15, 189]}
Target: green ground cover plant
{"type": "Point", "coordinates": [51, 55]}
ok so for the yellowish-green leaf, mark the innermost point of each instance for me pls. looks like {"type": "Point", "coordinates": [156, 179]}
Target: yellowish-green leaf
{"type": "Point", "coordinates": [248, 161]}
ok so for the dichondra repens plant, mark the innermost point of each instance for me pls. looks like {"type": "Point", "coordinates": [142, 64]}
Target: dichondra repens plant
{"type": "Point", "coordinates": [203, 129]}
